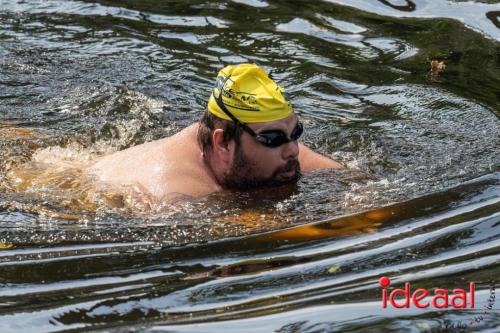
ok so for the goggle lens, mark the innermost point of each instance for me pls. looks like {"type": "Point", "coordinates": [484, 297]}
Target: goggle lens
{"type": "Point", "coordinates": [276, 138]}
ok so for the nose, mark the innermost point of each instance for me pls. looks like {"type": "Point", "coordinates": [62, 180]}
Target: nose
{"type": "Point", "coordinates": [290, 150]}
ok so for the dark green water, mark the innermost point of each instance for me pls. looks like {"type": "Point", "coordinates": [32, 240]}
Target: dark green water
{"type": "Point", "coordinates": [80, 78]}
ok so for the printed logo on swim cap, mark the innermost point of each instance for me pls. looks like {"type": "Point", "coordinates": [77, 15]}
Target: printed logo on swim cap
{"type": "Point", "coordinates": [245, 89]}
{"type": "Point", "coordinates": [248, 98]}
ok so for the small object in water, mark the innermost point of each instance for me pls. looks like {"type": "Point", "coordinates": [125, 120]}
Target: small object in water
{"type": "Point", "coordinates": [6, 245]}
{"type": "Point", "coordinates": [437, 66]}
{"type": "Point", "coordinates": [333, 269]}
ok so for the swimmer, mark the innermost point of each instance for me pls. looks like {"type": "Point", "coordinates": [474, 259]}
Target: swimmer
{"type": "Point", "coordinates": [248, 137]}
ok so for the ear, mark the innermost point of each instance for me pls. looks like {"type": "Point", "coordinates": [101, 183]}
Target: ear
{"type": "Point", "coordinates": [220, 147]}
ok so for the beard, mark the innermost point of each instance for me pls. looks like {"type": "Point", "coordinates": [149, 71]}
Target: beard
{"type": "Point", "coordinates": [243, 174]}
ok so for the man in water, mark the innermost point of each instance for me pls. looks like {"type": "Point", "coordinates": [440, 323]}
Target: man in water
{"type": "Point", "coordinates": [247, 138]}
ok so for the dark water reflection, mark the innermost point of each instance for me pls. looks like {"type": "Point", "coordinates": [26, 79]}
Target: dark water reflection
{"type": "Point", "coordinates": [419, 201]}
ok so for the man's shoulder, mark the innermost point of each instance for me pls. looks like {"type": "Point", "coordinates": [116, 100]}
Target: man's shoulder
{"type": "Point", "coordinates": [172, 164]}
{"type": "Point", "coordinates": [190, 130]}
{"type": "Point", "coordinates": [156, 149]}
{"type": "Point", "coordinates": [310, 160]}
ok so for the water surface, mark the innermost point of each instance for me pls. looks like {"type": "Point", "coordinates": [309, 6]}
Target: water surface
{"type": "Point", "coordinates": [419, 200]}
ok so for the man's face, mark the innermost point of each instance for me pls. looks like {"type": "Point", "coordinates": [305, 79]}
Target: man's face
{"type": "Point", "coordinates": [256, 165]}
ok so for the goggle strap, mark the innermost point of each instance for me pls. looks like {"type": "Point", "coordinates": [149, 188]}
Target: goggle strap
{"type": "Point", "coordinates": [221, 105]}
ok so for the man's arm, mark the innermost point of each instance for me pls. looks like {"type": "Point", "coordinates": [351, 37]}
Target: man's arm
{"type": "Point", "coordinates": [310, 160]}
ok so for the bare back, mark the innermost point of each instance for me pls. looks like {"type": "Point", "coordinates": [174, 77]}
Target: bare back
{"type": "Point", "coordinates": [160, 170]}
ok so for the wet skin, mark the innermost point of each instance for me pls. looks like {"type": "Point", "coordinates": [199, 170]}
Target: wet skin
{"type": "Point", "coordinates": [174, 167]}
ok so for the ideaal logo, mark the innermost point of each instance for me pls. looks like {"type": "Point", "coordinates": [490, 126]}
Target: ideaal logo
{"type": "Point", "coordinates": [460, 298]}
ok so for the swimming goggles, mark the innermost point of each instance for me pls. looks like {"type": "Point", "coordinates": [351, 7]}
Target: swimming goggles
{"type": "Point", "coordinates": [269, 138]}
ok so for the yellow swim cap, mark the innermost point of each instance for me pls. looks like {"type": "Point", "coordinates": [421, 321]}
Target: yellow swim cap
{"type": "Point", "coordinates": [249, 94]}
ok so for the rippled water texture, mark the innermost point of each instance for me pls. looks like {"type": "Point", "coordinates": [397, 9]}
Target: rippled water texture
{"type": "Point", "coordinates": [404, 93]}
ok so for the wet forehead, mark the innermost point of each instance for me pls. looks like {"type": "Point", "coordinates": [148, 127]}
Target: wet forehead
{"type": "Point", "coordinates": [287, 124]}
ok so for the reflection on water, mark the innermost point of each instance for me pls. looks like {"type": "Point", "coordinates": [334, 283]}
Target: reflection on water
{"type": "Point", "coordinates": [405, 93]}
{"type": "Point", "coordinates": [285, 277]}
